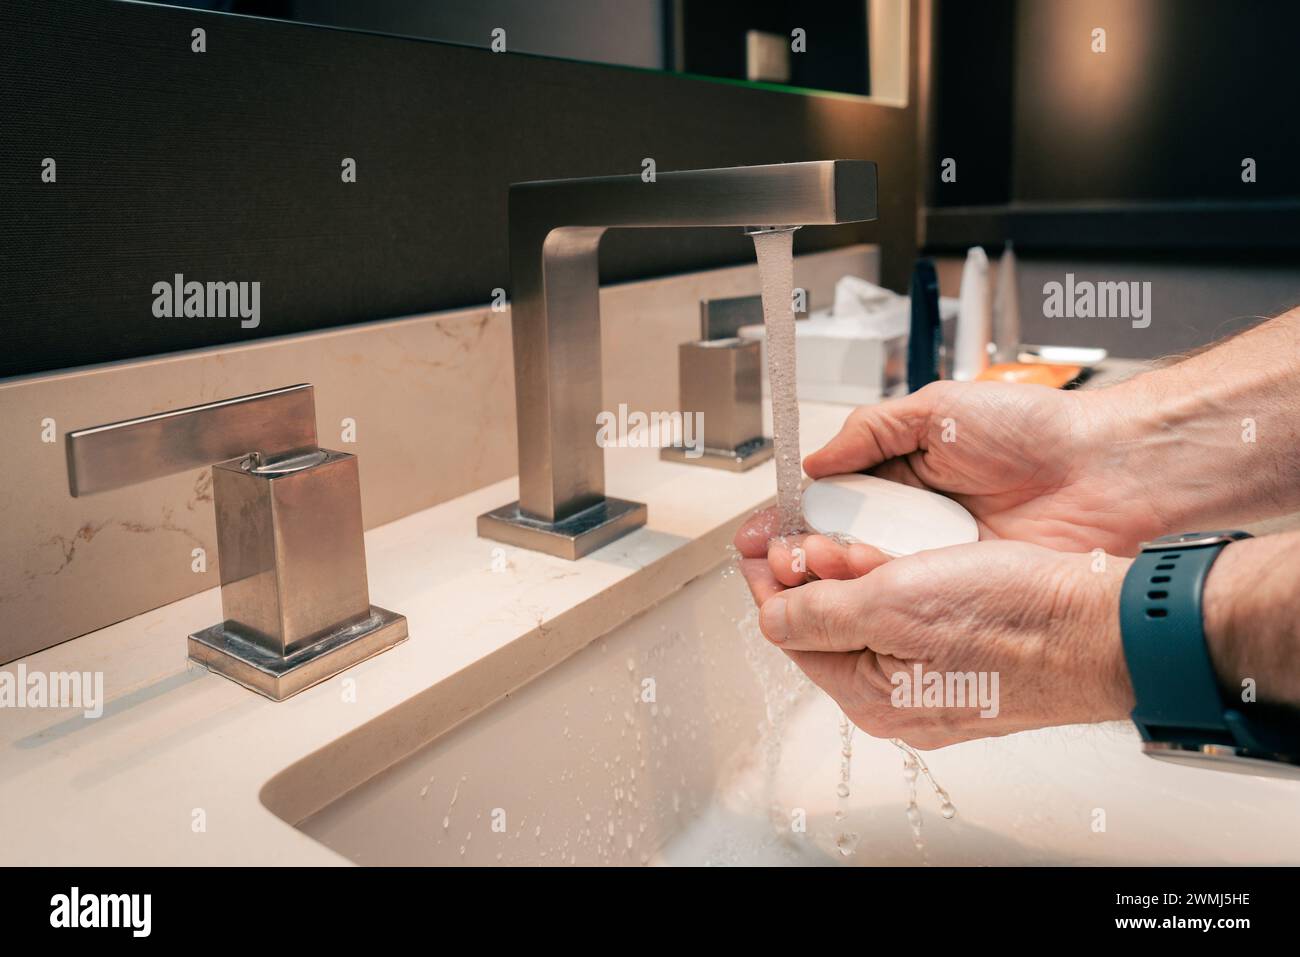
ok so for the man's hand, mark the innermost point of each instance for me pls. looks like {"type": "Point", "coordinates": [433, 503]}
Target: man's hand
{"type": "Point", "coordinates": [1208, 442]}
{"type": "Point", "coordinates": [1046, 622]}
{"type": "Point", "coordinates": [1030, 463]}
{"type": "Point", "coordinates": [1190, 445]}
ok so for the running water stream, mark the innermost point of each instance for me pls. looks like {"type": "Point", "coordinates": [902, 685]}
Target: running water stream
{"type": "Point", "coordinates": [774, 247]}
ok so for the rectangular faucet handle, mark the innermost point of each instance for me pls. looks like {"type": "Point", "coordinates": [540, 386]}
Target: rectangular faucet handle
{"type": "Point", "coordinates": [723, 318]}
{"type": "Point", "coordinates": [118, 454]}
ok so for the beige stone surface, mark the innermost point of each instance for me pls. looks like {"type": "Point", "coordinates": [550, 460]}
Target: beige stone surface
{"type": "Point", "coordinates": [433, 401]}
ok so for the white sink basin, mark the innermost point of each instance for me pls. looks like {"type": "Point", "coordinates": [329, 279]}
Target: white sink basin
{"type": "Point", "coordinates": [684, 738]}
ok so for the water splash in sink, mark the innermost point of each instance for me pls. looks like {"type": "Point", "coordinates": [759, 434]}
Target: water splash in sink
{"type": "Point", "coordinates": [846, 841]}
{"type": "Point", "coordinates": [913, 766]}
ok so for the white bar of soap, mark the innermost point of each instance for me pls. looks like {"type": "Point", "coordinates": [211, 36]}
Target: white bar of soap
{"type": "Point", "coordinates": [895, 518]}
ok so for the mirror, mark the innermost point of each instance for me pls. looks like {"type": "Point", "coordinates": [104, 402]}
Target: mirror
{"type": "Point", "coordinates": [847, 47]}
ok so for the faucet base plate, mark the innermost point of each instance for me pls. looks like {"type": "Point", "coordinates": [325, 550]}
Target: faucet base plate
{"type": "Point", "coordinates": [570, 538]}
{"type": "Point", "coordinates": [223, 652]}
{"type": "Point", "coordinates": [740, 459]}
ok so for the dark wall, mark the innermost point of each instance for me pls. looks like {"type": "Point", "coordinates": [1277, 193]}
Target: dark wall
{"type": "Point", "coordinates": [225, 166]}
{"type": "Point", "coordinates": [971, 79]}
{"type": "Point", "coordinates": [1139, 146]}
{"type": "Point", "coordinates": [1185, 90]}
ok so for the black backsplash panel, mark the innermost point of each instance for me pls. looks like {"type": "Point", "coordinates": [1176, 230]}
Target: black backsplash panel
{"type": "Point", "coordinates": [225, 166]}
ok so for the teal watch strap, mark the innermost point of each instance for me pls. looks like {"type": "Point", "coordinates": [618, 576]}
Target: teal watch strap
{"type": "Point", "coordinates": [1178, 698]}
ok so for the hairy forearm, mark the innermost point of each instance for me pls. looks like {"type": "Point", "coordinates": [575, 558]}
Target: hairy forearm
{"type": "Point", "coordinates": [1214, 439]}
{"type": "Point", "coordinates": [1251, 610]}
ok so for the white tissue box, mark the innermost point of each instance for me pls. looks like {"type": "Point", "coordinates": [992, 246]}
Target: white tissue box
{"type": "Point", "coordinates": [837, 361]}
{"type": "Point", "coordinates": [856, 352]}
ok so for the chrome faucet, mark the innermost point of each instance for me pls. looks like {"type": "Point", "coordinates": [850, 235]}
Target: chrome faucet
{"type": "Point", "coordinates": [294, 590]}
{"type": "Point", "coordinates": [555, 232]}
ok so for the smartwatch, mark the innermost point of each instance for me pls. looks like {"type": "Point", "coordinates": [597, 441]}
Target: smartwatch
{"type": "Point", "coordinates": [1181, 712]}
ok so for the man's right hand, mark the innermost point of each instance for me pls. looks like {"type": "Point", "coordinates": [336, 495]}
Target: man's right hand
{"type": "Point", "coordinates": [1029, 463]}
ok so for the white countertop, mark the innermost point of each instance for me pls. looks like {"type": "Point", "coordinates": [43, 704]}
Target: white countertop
{"type": "Point", "coordinates": [183, 767]}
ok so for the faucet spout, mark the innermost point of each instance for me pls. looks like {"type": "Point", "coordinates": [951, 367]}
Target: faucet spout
{"type": "Point", "coordinates": [555, 232]}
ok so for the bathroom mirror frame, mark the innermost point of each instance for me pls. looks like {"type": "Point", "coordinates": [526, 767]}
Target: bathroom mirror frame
{"type": "Point", "coordinates": [652, 31]}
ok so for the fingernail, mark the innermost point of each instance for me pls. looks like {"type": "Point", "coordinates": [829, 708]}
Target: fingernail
{"type": "Point", "coordinates": [771, 618]}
